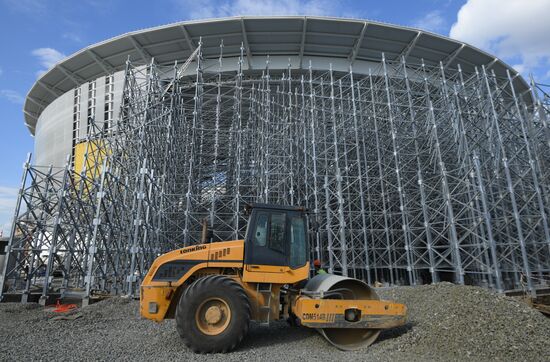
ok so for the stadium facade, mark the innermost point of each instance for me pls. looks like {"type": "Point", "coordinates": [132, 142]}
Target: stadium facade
{"type": "Point", "coordinates": [423, 158]}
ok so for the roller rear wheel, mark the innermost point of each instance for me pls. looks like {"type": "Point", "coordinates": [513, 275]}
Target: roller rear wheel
{"type": "Point", "coordinates": [213, 315]}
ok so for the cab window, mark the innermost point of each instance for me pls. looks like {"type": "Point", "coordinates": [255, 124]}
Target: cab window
{"type": "Point", "coordinates": [298, 251]}
{"type": "Point", "coordinates": [260, 232]}
{"type": "Point", "coordinates": [277, 232]}
{"type": "Point", "coordinates": [270, 231]}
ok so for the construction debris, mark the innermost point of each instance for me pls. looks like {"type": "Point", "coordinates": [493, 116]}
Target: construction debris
{"type": "Point", "coordinates": [542, 303]}
{"type": "Point", "coordinates": [68, 317]}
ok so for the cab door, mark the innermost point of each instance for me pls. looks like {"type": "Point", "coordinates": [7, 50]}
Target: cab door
{"type": "Point", "coordinates": [276, 247]}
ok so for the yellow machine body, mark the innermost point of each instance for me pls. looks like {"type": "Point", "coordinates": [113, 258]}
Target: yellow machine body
{"type": "Point", "coordinates": [197, 261]}
{"type": "Point", "coordinates": [159, 298]}
{"type": "Point", "coordinates": [206, 259]}
{"type": "Point", "coordinates": [346, 311]}
{"type": "Point", "coordinates": [330, 313]}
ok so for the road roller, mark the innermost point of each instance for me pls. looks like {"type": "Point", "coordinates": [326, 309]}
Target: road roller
{"type": "Point", "coordinates": [214, 289]}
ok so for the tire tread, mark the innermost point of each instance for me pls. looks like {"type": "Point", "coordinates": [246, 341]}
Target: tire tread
{"type": "Point", "coordinates": [191, 293]}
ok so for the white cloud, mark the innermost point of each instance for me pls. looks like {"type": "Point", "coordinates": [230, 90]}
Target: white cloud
{"type": "Point", "coordinates": [515, 30]}
{"type": "Point", "coordinates": [72, 37]}
{"type": "Point", "coordinates": [432, 21]}
{"type": "Point", "coordinates": [8, 199]}
{"type": "Point", "coordinates": [47, 57]}
{"type": "Point", "coordinates": [212, 9]}
{"type": "Point", "coordinates": [12, 96]}
{"type": "Point", "coordinates": [520, 68]}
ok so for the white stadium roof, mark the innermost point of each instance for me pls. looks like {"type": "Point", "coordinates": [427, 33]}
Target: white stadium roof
{"type": "Point", "coordinates": [299, 37]}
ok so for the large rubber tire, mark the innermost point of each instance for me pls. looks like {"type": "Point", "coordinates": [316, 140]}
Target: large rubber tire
{"type": "Point", "coordinates": [231, 295]}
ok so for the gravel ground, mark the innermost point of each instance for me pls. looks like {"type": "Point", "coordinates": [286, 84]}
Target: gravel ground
{"type": "Point", "coordinates": [446, 323]}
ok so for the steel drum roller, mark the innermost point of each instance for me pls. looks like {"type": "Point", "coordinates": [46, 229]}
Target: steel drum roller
{"type": "Point", "coordinates": [338, 287]}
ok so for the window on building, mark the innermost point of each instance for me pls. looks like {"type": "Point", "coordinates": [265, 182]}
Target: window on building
{"type": "Point", "coordinates": [109, 100]}
{"type": "Point", "coordinates": [76, 119]}
{"type": "Point", "coordinates": [91, 107]}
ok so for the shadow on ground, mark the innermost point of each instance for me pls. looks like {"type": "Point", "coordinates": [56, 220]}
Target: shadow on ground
{"type": "Point", "coordinates": [277, 333]}
{"type": "Point", "coordinates": [281, 333]}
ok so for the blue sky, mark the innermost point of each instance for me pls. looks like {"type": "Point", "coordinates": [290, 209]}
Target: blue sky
{"type": "Point", "coordinates": [37, 33]}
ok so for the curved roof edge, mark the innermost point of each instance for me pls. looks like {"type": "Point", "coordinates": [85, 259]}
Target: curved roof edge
{"type": "Point", "coordinates": [297, 36]}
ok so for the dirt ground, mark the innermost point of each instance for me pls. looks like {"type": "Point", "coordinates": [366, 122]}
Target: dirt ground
{"type": "Point", "coordinates": [446, 323]}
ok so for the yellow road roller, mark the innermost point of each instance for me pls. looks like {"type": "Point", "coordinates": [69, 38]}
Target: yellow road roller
{"type": "Point", "coordinates": [214, 290]}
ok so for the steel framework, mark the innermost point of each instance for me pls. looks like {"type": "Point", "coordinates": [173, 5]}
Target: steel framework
{"type": "Point", "coordinates": [416, 173]}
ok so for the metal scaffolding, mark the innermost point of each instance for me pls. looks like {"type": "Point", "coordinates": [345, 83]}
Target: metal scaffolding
{"type": "Point", "coordinates": [416, 173]}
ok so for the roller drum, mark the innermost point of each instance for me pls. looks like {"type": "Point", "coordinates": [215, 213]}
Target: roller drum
{"type": "Point", "coordinates": [346, 339]}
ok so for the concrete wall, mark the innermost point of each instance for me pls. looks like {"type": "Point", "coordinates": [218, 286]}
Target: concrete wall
{"type": "Point", "coordinates": [54, 129]}
{"type": "Point", "coordinates": [53, 138]}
